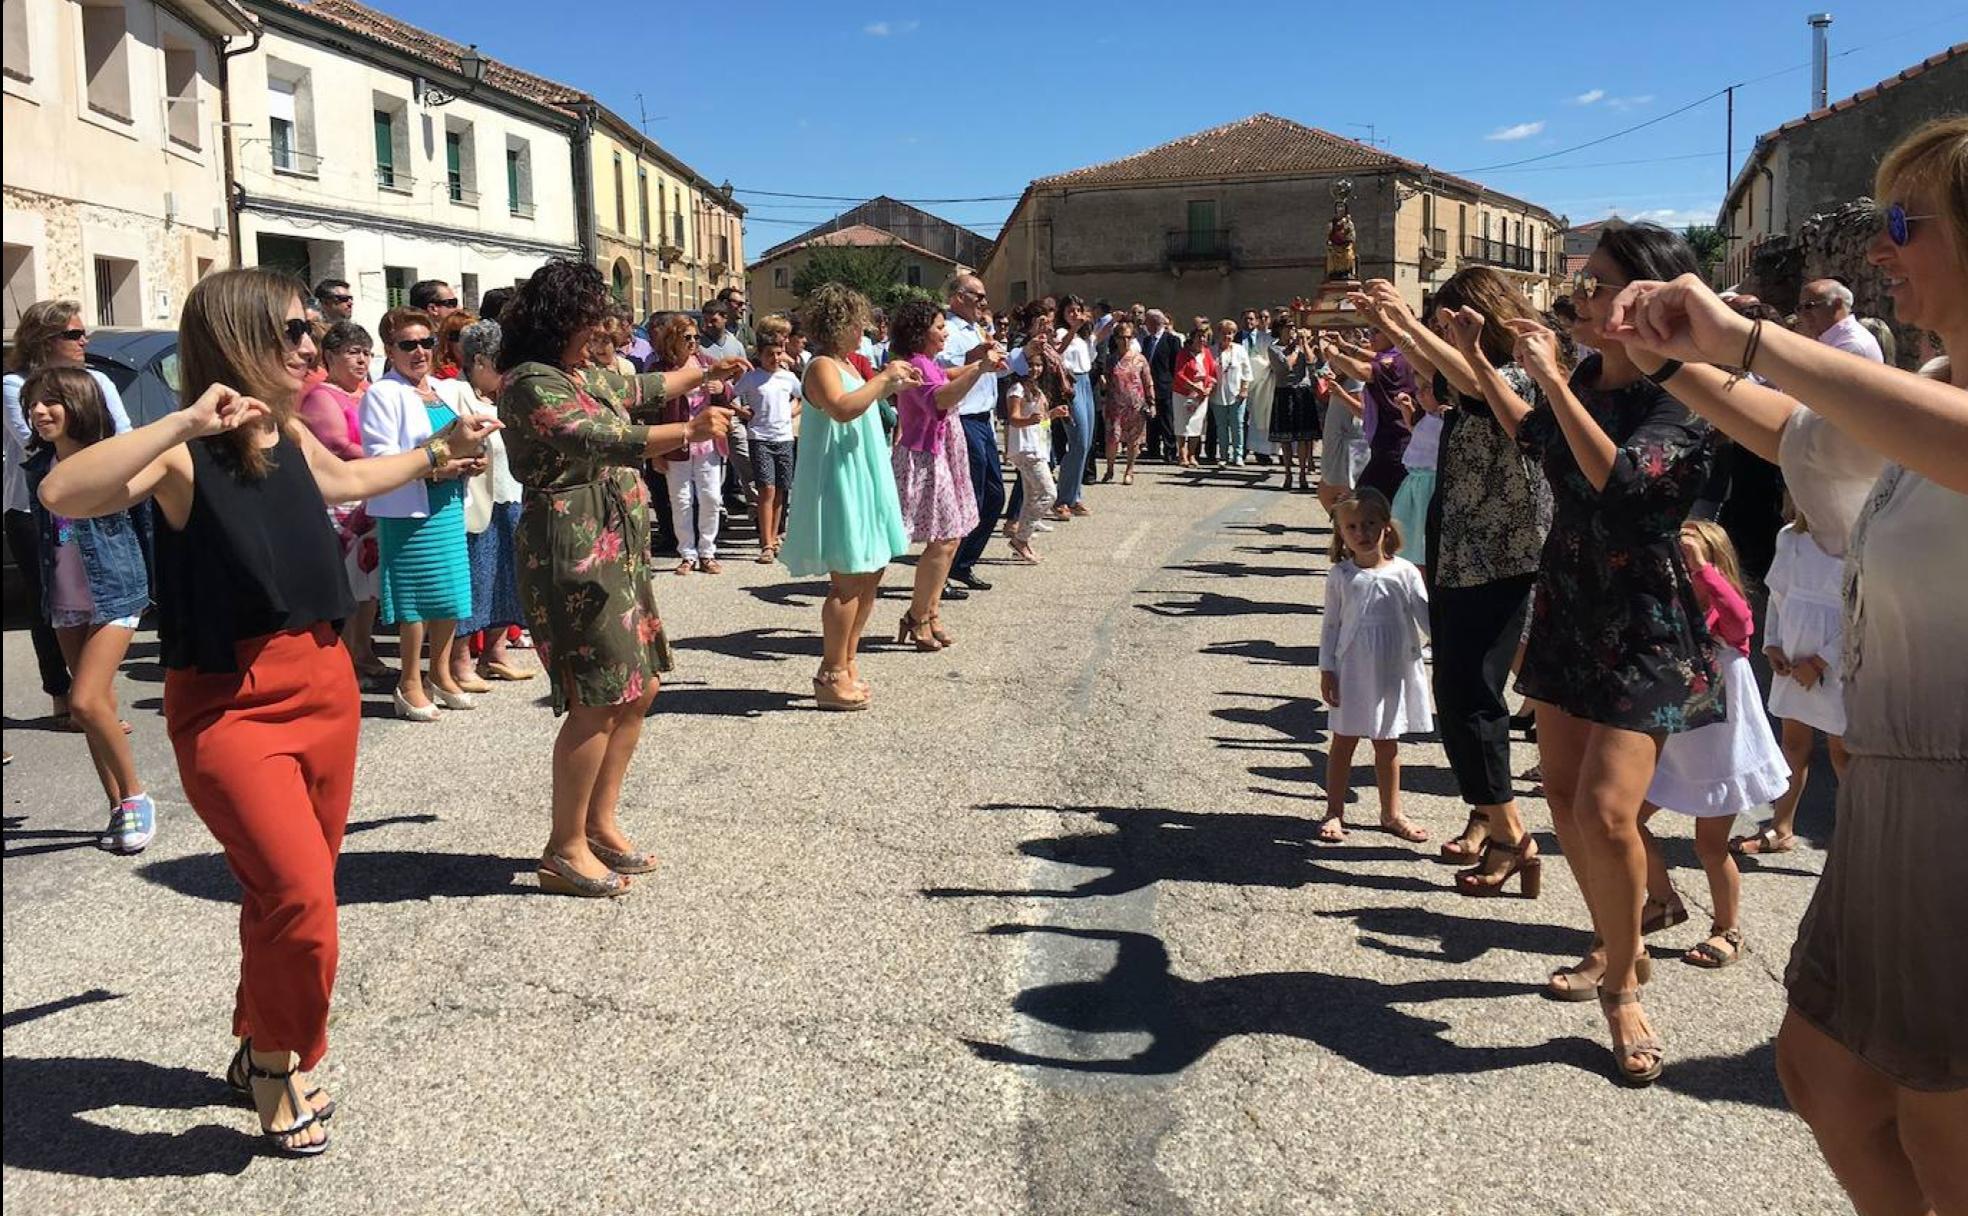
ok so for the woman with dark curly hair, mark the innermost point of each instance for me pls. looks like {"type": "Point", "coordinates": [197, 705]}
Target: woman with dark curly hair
{"type": "Point", "coordinates": [583, 544]}
{"type": "Point", "coordinates": [931, 462]}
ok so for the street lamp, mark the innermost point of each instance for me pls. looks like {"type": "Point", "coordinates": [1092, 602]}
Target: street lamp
{"type": "Point", "coordinates": [471, 65]}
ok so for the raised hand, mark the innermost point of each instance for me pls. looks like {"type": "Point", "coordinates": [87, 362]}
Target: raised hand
{"type": "Point", "coordinates": [1536, 350]}
{"type": "Point", "coordinates": [1464, 327]}
{"type": "Point", "coordinates": [467, 435]}
{"type": "Point", "coordinates": [221, 408]}
{"type": "Point", "coordinates": [900, 374]}
{"type": "Point", "coordinates": [728, 369]}
{"type": "Point", "coordinates": [1683, 320]}
{"type": "Point", "coordinates": [712, 422]}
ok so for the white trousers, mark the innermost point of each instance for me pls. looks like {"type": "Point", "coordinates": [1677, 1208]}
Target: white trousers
{"type": "Point", "coordinates": [696, 488]}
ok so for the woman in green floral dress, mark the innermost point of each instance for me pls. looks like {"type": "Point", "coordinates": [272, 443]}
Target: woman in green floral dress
{"type": "Point", "coordinates": [583, 548]}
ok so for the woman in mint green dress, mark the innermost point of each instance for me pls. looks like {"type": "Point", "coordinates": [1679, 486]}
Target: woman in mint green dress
{"type": "Point", "coordinates": [844, 519]}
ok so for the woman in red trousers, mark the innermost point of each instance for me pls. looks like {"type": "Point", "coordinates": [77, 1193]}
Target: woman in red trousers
{"type": "Point", "coordinates": [259, 696]}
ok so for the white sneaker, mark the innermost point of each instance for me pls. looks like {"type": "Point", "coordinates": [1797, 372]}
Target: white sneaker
{"type": "Point", "coordinates": [1042, 526]}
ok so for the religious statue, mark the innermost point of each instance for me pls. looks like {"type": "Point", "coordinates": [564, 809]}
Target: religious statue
{"type": "Point", "coordinates": [1340, 257]}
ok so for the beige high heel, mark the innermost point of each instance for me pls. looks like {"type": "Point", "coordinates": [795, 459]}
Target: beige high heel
{"type": "Point", "coordinates": [827, 693]}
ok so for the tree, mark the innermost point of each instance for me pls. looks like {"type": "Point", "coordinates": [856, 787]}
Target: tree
{"type": "Point", "coordinates": [1711, 245]}
{"type": "Point", "coordinates": [879, 272]}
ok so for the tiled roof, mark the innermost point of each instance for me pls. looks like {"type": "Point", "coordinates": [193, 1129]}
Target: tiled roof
{"type": "Point", "coordinates": [1259, 146]}
{"type": "Point", "coordinates": [861, 236]}
{"type": "Point", "coordinates": [421, 44]}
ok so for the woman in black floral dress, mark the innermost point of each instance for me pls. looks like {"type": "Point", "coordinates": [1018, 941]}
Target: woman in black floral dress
{"type": "Point", "coordinates": [1618, 657]}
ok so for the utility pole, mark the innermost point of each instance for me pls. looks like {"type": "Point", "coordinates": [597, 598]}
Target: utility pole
{"type": "Point", "coordinates": [1729, 157]}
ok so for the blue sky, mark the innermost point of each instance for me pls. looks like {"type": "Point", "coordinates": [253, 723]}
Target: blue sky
{"type": "Point", "coordinates": [948, 102]}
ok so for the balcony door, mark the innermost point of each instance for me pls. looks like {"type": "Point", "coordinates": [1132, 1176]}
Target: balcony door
{"type": "Point", "coordinates": [1202, 226]}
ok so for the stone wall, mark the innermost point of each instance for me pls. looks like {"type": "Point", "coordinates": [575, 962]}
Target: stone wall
{"type": "Point", "coordinates": [1830, 245]}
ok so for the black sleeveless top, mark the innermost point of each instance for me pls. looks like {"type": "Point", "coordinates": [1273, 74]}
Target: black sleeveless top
{"type": "Point", "coordinates": [256, 557]}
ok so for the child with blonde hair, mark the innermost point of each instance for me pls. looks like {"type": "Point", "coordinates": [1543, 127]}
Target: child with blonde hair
{"type": "Point", "coordinates": [1716, 772]}
{"type": "Point", "coordinates": [1803, 631]}
{"type": "Point", "coordinates": [1370, 667]}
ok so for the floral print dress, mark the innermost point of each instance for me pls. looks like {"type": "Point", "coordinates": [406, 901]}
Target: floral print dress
{"type": "Point", "coordinates": [1130, 399]}
{"type": "Point", "coordinates": [585, 582]}
{"type": "Point", "coordinates": [1616, 632]}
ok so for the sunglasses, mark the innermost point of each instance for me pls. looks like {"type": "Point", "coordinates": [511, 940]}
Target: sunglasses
{"type": "Point", "coordinates": [1898, 224]}
{"type": "Point", "coordinates": [73, 335]}
{"type": "Point", "coordinates": [295, 330]}
{"type": "Point", "coordinates": [344, 299]}
{"type": "Point", "coordinates": [690, 337]}
{"type": "Point", "coordinates": [450, 303]}
{"type": "Point", "coordinates": [406, 345]}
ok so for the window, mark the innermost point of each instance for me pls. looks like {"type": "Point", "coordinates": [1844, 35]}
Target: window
{"type": "Point", "coordinates": [19, 290]}
{"type": "Point", "coordinates": [649, 293]}
{"type": "Point", "coordinates": [19, 65]}
{"type": "Point", "coordinates": [915, 274]}
{"type": "Point", "coordinates": [621, 200]}
{"type": "Point", "coordinates": [460, 162]}
{"type": "Point", "coordinates": [618, 281]}
{"type": "Point", "coordinates": [724, 248]}
{"type": "Point", "coordinates": [118, 301]}
{"type": "Point", "coordinates": [396, 285]}
{"type": "Point", "coordinates": [390, 117]}
{"type": "Point", "coordinates": [281, 134]}
{"type": "Point", "coordinates": [642, 202]}
{"type": "Point", "coordinates": [181, 95]}
{"type": "Point", "coordinates": [290, 115]}
{"type": "Point", "coordinates": [205, 267]}
{"type": "Point", "coordinates": [676, 218]}
{"type": "Point", "coordinates": [1021, 291]}
{"type": "Point", "coordinates": [106, 60]}
{"type": "Point", "coordinates": [779, 277]}
{"type": "Point", "coordinates": [519, 177]}
{"type": "Point", "coordinates": [468, 291]}
{"type": "Point", "coordinates": [288, 254]}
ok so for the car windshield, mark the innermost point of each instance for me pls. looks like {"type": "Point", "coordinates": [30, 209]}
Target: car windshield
{"type": "Point", "coordinates": [167, 369]}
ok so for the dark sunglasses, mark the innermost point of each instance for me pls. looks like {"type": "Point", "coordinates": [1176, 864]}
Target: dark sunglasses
{"type": "Point", "coordinates": [1898, 224]}
{"type": "Point", "coordinates": [342, 299]}
{"type": "Point", "coordinates": [295, 330]}
{"type": "Point", "coordinates": [690, 337]}
{"type": "Point", "coordinates": [450, 303]}
{"type": "Point", "coordinates": [406, 345]}
{"type": "Point", "coordinates": [73, 335]}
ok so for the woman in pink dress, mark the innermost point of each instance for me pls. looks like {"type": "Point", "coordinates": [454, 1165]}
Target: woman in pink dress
{"type": "Point", "coordinates": [332, 411]}
{"type": "Point", "coordinates": [932, 464]}
{"type": "Point", "coordinates": [1130, 399]}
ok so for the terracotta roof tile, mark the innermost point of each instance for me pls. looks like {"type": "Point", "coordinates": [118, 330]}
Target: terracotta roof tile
{"type": "Point", "coordinates": [421, 44]}
{"type": "Point", "coordinates": [1865, 95]}
{"type": "Point", "coordinates": [1259, 146]}
{"type": "Point", "coordinates": [863, 236]}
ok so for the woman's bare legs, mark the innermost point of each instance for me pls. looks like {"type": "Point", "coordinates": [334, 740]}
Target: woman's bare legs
{"type": "Point", "coordinates": [1561, 742]}
{"type": "Point", "coordinates": [843, 615]}
{"type": "Point", "coordinates": [932, 571]}
{"type": "Point", "coordinates": [94, 653]}
{"type": "Point", "coordinates": [1613, 775]}
{"type": "Point", "coordinates": [442, 635]}
{"type": "Point", "coordinates": [359, 635]}
{"type": "Point", "coordinates": [580, 751]}
{"type": "Point", "coordinates": [865, 609]}
{"type": "Point", "coordinates": [410, 663]}
{"type": "Point", "coordinates": [603, 823]}
{"type": "Point", "coordinates": [1896, 1151]}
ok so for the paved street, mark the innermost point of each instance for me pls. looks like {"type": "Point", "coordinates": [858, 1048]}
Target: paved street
{"type": "Point", "coordinates": [1045, 932]}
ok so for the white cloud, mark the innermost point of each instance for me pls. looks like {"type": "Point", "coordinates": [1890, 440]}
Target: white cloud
{"type": "Point", "coordinates": [882, 29]}
{"type": "Point", "coordinates": [1589, 96]}
{"type": "Point", "coordinates": [1522, 130]}
{"type": "Point", "coordinates": [1628, 103]}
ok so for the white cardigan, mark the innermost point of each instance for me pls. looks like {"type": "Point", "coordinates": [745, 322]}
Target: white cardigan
{"type": "Point", "coordinates": [394, 420]}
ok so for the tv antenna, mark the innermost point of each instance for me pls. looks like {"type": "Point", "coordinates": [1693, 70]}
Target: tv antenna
{"type": "Point", "coordinates": [1371, 131]}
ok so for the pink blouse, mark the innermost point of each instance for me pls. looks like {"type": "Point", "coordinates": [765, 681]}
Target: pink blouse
{"type": "Point", "coordinates": [921, 426]}
{"type": "Point", "coordinates": [1725, 612]}
{"type": "Point", "coordinates": [335, 418]}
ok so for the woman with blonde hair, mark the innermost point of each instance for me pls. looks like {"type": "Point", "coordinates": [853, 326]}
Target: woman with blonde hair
{"type": "Point", "coordinates": [50, 334]}
{"type": "Point", "coordinates": [1874, 1050]}
{"type": "Point", "coordinates": [260, 698]}
{"type": "Point", "coordinates": [844, 518]}
{"type": "Point", "coordinates": [693, 472]}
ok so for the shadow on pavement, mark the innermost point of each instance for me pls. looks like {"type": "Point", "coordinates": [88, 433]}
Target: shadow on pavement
{"type": "Point", "coordinates": [806, 594]}
{"type": "Point", "coordinates": [770, 644]}
{"type": "Point", "coordinates": [34, 1013]}
{"type": "Point", "coordinates": [1356, 1019]}
{"type": "Point", "coordinates": [1238, 570]}
{"type": "Point", "coordinates": [726, 702]}
{"type": "Point", "coordinates": [1266, 653]}
{"type": "Point", "coordinates": [1749, 1078]}
{"type": "Point", "coordinates": [364, 878]}
{"type": "Point", "coordinates": [56, 841]}
{"type": "Point", "coordinates": [51, 1124]}
{"type": "Point", "coordinates": [1458, 939]}
{"type": "Point", "coordinates": [1211, 603]}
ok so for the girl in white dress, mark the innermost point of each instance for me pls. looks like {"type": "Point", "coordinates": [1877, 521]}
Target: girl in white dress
{"type": "Point", "coordinates": [1802, 633]}
{"type": "Point", "coordinates": [1716, 772]}
{"type": "Point", "coordinates": [1370, 668]}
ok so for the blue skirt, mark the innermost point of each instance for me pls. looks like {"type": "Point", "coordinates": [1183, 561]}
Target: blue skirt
{"type": "Point", "coordinates": [494, 559]}
{"type": "Point", "coordinates": [425, 573]}
{"type": "Point", "coordinates": [1411, 512]}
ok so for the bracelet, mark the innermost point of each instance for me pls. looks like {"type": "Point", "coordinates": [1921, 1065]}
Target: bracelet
{"type": "Point", "coordinates": [1664, 372]}
{"type": "Point", "coordinates": [1749, 354]}
{"type": "Point", "coordinates": [430, 454]}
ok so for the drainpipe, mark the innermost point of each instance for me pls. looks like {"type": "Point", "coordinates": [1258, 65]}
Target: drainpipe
{"type": "Point", "coordinates": [584, 213]}
{"type": "Point", "coordinates": [233, 194]}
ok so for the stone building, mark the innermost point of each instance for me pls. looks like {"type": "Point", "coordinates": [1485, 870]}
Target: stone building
{"type": "Point", "coordinates": [1237, 216]}
{"type": "Point", "coordinates": [1826, 159]}
{"type": "Point", "coordinates": [114, 159]}
{"type": "Point", "coordinates": [771, 277]}
{"type": "Point", "coordinates": [368, 150]}
{"type": "Point", "coordinates": [662, 233]}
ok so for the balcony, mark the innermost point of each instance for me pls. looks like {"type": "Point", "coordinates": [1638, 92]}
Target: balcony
{"type": "Point", "coordinates": [1190, 246]}
{"type": "Point", "coordinates": [1501, 254]}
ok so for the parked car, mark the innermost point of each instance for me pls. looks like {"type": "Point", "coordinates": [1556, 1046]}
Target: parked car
{"type": "Point", "coordinates": [143, 365]}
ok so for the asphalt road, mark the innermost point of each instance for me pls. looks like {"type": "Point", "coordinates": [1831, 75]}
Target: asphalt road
{"type": "Point", "coordinates": [1045, 932]}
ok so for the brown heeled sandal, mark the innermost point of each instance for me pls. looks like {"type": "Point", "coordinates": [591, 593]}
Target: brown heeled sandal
{"type": "Point", "coordinates": [1469, 843]}
{"type": "Point", "coordinates": [1574, 984]}
{"type": "Point", "coordinates": [1486, 880]}
{"type": "Point", "coordinates": [1624, 1055]}
{"type": "Point", "coordinates": [935, 623]}
{"type": "Point", "coordinates": [827, 693]}
{"type": "Point", "coordinates": [1656, 915]}
{"type": "Point", "coordinates": [917, 631]}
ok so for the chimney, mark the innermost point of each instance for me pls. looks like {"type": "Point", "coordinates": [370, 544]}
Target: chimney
{"type": "Point", "coordinates": [1820, 24]}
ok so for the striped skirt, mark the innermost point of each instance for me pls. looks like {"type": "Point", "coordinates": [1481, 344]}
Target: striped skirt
{"type": "Point", "coordinates": [426, 575]}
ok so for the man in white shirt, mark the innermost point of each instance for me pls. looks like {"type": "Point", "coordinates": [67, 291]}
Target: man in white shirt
{"type": "Point", "coordinates": [964, 343]}
{"type": "Point", "coordinates": [1824, 312]}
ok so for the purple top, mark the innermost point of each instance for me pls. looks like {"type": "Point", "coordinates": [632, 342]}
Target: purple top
{"type": "Point", "coordinates": [1392, 376]}
{"type": "Point", "coordinates": [335, 417]}
{"type": "Point", "coordinates": [920, 425]}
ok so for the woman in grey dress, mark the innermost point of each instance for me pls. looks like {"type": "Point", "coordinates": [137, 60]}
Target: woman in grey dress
{"type": "Point", "coordinates": [1874, 1050]}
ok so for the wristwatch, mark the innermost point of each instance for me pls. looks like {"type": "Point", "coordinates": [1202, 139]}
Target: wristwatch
{"type": "Point", "coordinates": [438, 450]}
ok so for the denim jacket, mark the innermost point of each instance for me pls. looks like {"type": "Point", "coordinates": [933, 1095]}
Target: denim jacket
{"type": "Point", "coordinates": [112, 549]}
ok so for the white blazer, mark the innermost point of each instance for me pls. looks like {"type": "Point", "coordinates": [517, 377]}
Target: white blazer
{"type": "Point", "coordinates": [395, 420]}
